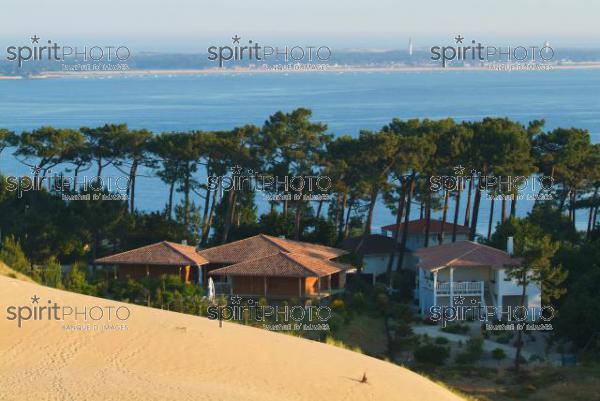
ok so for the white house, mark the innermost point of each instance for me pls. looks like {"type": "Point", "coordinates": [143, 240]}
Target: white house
{"type": "Point", "coordinates": [471, 274]}
{"type": "Point", "coordinates": [375, 251]}
{"type": "Point", "coordinates": [377, 248]}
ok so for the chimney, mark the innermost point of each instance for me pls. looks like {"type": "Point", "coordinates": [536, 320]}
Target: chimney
{"type": "Point", "coordinates": [510, 246]}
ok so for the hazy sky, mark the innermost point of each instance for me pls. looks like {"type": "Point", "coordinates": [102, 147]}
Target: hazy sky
{"type": "Point", "coordinates": [192, 24]}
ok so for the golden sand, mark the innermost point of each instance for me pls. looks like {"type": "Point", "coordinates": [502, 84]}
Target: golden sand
{"type": "Point", "coordinates": [171, 356]}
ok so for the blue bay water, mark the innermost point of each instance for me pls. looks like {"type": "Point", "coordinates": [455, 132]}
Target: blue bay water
{"type": "Point", "coordinates": [346, 102]}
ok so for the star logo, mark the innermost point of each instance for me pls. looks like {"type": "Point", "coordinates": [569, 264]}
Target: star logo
{"type": "Point", "coordinates": [35, 39]}
{"type": "Point", "coordinates": [459, 300]}
{"type": "Point", "coordinates": [235, 299]}
{"type": "Point", "coordinates": [236, 39]}
{"type": "Point", "coordinates": [236, 169]}
{"type": "Point", "coordinates": [35, 299]}
{"type": "Point", "coordinates": [459, 170]}
{"type": "Point", "coordinates": [36, 170]}
{"type": "Point", "coordinates": [459, 39]}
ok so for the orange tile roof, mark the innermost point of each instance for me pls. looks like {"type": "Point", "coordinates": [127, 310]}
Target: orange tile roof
{"type": "Point", "coordinates": [163, 253]}
{"type": "Point", "coordinates": [260, 246]}
{"type": "Point", "coordinates": [419, 226]}
{"type": "Point", "coordinates": [282, 264]}
{"type": "Point", "coordinates": [463, 254]}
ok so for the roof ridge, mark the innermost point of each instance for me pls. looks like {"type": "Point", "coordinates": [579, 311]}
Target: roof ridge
{"type": "Point", "coordinates": [229, 243]}
{"type": "Point", "coordinates": [289, 256]}
{"type": "Point", "coordinates": [271, 240]}
{"type": "Point", "coordinates": [461, 255]}
{"type": "Point", "coordinates": [170, 245]}
{"type": "Point", "coordinates": [131, 250]}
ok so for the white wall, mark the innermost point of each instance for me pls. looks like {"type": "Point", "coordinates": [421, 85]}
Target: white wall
{"type": "Point", "coordinates": [507, 287]}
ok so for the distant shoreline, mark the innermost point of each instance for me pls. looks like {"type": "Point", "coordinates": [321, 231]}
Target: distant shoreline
{"type": "Point", "coordinates": [326, 69]}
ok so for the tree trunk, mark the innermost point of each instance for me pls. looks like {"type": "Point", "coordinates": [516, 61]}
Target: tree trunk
{"type": "Point", "coordinates": [444, 215]}
{"type": "Point", "coordinates": [336, 210]}
{"type": "Point", "coordinates": [591, 218]}
{"type": "Point", "coordinates": [170, 204]}
{"type": "Point", "coordinates": [347, 223]}
{"type": "Point", "coordinates": [131, 188]}
{"type": "Point", "coordinates": [75, 175]}
{"type": "Point", "coordinates": [519, 344]}
{"type": "Point", "coordinates": [100, 167]}
{"type": "Point", "coordinates": [211, 215]}
{"type": "Point", "coordinates": [186, 199]}
{"type": "Point", "coordinates": [367, 228]}
{"type": "Point", "coordinates": [342, 212]}
{"type": "Point", "coordinates": [513, 205]}
{"type": "Point", "coordinates": [589, 225]}
{"type": "Point", "coordinates": [205, 211]}
{"type": "Point", "coordinates": [489, 235]}
{"type": "Point", "coordinates": [229, 211]}
{"type": "Point", "coordinates": [468, 209]}
{"type": "Point", "coordinates": [427, 220]}
{"type": "Point", "coordinates": [476, 203]}
{"type": "Point", "coordinates": [319, 208]}
{"type": "Point", "coordinates": [573, 209]}
{"type": "Point", "coordinates": [411, 188]}
{"type": "Point", "coordinates": [399, 214]}
{"type": "Point", "coordinates": [297, 221]}
{"type": "Point", "coordinates": [456, 211]}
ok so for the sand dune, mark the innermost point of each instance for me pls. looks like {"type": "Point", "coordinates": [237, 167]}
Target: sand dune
{"type": "Point", "coordinates": [171, 356]}
{"type": "Point", "coordinates": [7, 271]}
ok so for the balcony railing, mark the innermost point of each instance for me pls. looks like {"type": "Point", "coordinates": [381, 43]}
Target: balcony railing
{"type": "Point", "coordinates": [460, 288]}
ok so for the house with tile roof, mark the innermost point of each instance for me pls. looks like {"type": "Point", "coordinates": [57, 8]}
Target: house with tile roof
{"type": "Point", "coordinates": [466, 273]}
{"type": "Point", "coordinates": [157, 259]}
{"type": "Point", "coordinates": [261, 265]}
{"type": "Point", "coordinates": [376, 249]}
{"type": "Point", "coordinates": [438, 233]}
{"type": "Point", "coordinates": [276, 268]}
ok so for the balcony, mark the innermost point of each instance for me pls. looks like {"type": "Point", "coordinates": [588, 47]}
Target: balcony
{"type": "Point", "coordinates": [465, 288]}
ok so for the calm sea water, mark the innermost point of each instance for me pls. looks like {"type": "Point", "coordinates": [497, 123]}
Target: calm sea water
{"type": "Point", "coordinates": [346, 102]}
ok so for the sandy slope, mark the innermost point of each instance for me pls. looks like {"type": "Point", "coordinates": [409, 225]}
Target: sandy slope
{"type": "Point", "coordinates": [171, 356]}
{"type": "Point", "coordinates": [7, 271]}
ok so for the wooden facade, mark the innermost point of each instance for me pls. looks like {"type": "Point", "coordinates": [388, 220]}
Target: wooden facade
{"type": "Point", "coordinates": [188, 274]}
{"type": "Point", "coordinates": [286, 287]}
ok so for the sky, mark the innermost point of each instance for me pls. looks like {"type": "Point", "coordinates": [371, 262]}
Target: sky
{"type": "Point", "coordinates": [192, 25]}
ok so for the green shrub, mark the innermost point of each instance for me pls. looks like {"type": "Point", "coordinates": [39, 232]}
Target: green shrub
{"type": "Point", "coordinates": [498, 354]}
{"type": "Point", "coordinates": [52, 273]}
{"type": "Point", "coordinates": [432, 354]}
{"type": "Point", "coordinates": [456, 328]}
{"type": "Point", "coordinates": [473, 351]}
{"type": "Point", "coordinates": [13, 256]}
{"type": "Point", "coordinates": [505, 337]}
{"type": "Point", "coordinates": [441, 340]}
